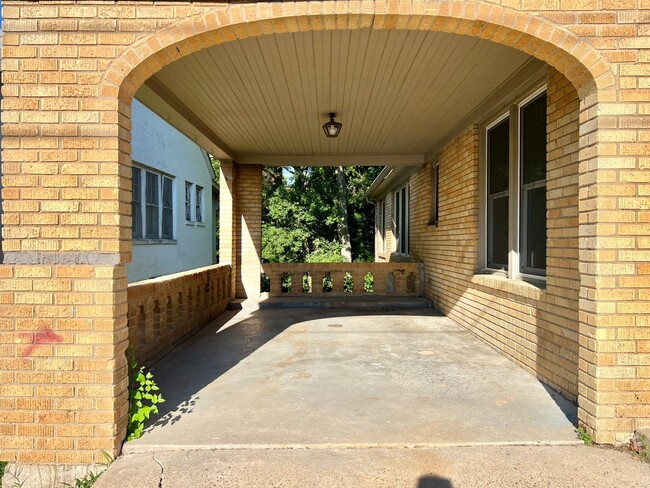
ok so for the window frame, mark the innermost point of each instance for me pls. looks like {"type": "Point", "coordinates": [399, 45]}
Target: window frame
{"type": "Point", "coordinates": [509, 110]}
{"type": "Point", "coordinates": [188, 202]}
{"type": "Point", "coordinates": [198, 205]}
{"type": "Point", "coordinates": [401, 214]}
{"type": "Point", "coordinates": [435, 194]}
{"type": "Point", "coordinates": [160, 177]}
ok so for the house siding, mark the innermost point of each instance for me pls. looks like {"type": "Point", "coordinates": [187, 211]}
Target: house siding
{"type": "Point", "coordinates": [157, 145]}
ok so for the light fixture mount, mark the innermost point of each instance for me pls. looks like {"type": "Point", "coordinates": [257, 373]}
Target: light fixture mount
{"type": "Point", "coordinates": [332, 128]}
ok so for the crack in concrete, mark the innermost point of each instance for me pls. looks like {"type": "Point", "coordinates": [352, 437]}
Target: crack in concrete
{"type": "Point", "coordinates": [162, 470]}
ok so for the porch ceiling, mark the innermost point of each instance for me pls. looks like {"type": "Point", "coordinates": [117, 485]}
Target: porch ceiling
{"type": "Point", "coordinates": [397, 93]}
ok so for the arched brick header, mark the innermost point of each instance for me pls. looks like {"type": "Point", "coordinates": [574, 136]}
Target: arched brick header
{"type": "Point", "coordinates": [579, 62]}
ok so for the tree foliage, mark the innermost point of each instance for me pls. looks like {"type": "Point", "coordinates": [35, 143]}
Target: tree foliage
{"type": "Point", "coordinates": [301, 215]}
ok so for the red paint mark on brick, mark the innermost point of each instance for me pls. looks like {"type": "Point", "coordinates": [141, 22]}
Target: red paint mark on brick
{"type": "Point", "coordinates": [43, 336]}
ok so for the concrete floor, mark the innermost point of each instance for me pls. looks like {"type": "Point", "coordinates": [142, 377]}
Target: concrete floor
{"type": "Point", "coordinates": [337, 398]}
{"type": "Point", "coordinates": [446, 467]}
{"type": "Point", "coordinates": [301, 378]}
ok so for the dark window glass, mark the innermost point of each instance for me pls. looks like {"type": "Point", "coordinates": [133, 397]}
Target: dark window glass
{"type": "Point", "coordinates": [199, 204]}
{"type": "Point", "coordinates": [398, 221]}
{"type": "Point", "coordinates": [188, 201]}
{"type": "Point", "coordinates": [136, 203]}
{"type": "Point", "coordinates": [535, 249]}
{"type": "Point", "coordinates": [498, 149]}
{"type": "Point", "coordinates": [152, 202]}
{"type": "Point", "coordinates": [532, 237]}
{"type": "Point", "coordinates": [498, 233]}
{"type": "Point", "coordinates": [404, 229]}
{"type": "Point", "coordinates": [533, 140]}
{"type": "Point", "coordinates": [167, 209]}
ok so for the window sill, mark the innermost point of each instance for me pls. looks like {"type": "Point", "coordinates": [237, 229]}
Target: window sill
{"type": "Point", "coordinates": [189, 222]}
{"type": "Point", "coordinates": [519, 287]}
{"type": "Point", "coordinates": [145, 242]}
{"type": "Point", "coordinates": [199, 224]}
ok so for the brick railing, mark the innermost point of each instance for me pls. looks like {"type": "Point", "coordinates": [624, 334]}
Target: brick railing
{"type": "Point", "coordinates": [166, 310]}
{"type": "Point", "coordinates": [331, 279]}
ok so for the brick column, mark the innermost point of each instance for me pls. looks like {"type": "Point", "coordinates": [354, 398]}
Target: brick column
{"type": "Point", "coordinates": [249, 216]}
{"type": "Point", "coordinates": [240, 226]}
{"type": "Point", "coordinates": [228, 232]}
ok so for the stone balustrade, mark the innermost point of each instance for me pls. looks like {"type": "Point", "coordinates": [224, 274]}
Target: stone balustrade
{"type": "Point", "coordinates": [164, 311]}
{"type": "Point", "coordinates": [336, 279]}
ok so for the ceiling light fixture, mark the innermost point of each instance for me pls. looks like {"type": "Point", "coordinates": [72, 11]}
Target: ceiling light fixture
{"type": "Point", "coordinates": [332, 128]}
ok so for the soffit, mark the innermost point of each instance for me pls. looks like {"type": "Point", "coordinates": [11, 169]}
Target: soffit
{"type": "Point", "coordinates": [396, 92]}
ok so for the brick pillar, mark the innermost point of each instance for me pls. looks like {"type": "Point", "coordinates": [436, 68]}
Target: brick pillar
{"type": "Point", "coordinates": [228, 234]}
{"type": "Point", "coordinates": [240, 226]}
{"type": "Point", "coordinates": [249, 216]}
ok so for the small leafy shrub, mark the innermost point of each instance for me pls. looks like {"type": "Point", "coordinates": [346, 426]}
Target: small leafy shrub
{"type": "Point", "coordinates": [328, 284]}
{"type": "Point", "coordinates": [142, 399]}
{"type": "Point", "coordinates": [369, 283]}
{"type": "Point", "coordinates": [3, 466]}
{"type": "Point", "coordinates": [90, 478]}
{"type": "Point", "coordinates": [584, 436]}
{"type": "Point", "coordinates": [348, 283]}
{"type": "Point", "coordinates": [640, 445]}
{"type": "Point", "coordinates": [85, 482]}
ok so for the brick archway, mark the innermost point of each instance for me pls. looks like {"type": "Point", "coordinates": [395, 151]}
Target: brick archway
{"type": "Point", "coordinates": [66, 193]}
{"type": "Point", "coordinates": [580, 63]}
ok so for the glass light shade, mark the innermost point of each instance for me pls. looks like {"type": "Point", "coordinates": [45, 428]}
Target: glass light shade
{"type": "Point", "coordinates": [332, 128]}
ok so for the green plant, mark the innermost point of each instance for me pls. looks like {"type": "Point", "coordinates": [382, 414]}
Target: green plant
{"type": "Point", "coordinates": [644, 451]}
{"type": "Point", "coordinates": [584, 436]}
{"type": "Point", "coordinates": [15, 476]}
{"type": "Point", "coordinates": [142, 399]}
{"type": "Point", "coordinates": [85, 482]}
{"type": "Point", "coordinates": [90, 478]}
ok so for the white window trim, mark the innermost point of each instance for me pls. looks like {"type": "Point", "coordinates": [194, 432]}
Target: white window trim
{"type": "Point", "coordinates": [189, 185]}
{"type": "Point", "coordinates": [514, 164]}
{"type": "Point", "coordinates": [143, 205]}
{"type": "Point", "coordinates": [199, 190]}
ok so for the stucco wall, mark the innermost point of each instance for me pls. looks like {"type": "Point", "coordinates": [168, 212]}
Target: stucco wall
{"type": "Point", "coordinates": [158, 145]}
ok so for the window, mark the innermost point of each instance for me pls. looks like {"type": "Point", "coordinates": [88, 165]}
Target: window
{"type": "Point", "coordinates": [515, 153]}
{"type": "Point", "coordinates": [381, 223]}
{"type": "Point", "coordinates": [532, 234]}
{"type": "Point", "coordinates": [498, 149]}
{"type": "Point", "coordinates": [401, 211]}
{"type": "Point", "coordinates": [136, 203]}
{"type": "Point", "coordinates": [198, 216]}
{"type": "Point", "coordinates": [154, 220]}
{"type": "Point", "coordinates": [435, 175]}
{"type": "Point", "coordinates": [188, 201]}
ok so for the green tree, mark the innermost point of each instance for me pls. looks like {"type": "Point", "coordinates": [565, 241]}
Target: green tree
{"type": "Point", "coordinates": [305, 210]}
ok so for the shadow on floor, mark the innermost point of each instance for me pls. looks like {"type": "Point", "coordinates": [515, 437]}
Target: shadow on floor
{"type": "Point", "coordinates": [434, 482]}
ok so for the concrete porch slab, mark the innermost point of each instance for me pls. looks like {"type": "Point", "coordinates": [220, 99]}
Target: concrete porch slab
{"type": "Point", "coordinates": [304, 378]}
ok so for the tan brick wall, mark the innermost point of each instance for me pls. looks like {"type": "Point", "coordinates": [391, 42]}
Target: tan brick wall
{"type": "Point", "coordinates": [69, 71]}
{"type": "Point", "coordinates": [538, 328]}
{"type": "Point", "coordinates": [62, 340]}
{"type": "Point", "coordinates": [164, 311]}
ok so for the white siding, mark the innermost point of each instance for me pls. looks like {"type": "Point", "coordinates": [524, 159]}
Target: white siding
{"type": "Point", "coordinates": [157, 145]}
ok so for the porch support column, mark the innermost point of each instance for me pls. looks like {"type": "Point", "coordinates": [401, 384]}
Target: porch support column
{"type": "Point", "coordinates": [240, 226]}
{"type": "Point", "coordinates": [228, 247]}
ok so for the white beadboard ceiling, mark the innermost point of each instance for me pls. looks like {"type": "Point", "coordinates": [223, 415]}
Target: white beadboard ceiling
{"type": "Point", "coordinates": [396, 92]}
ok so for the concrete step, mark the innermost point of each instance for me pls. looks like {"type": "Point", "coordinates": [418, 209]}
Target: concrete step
{"type": "Point", "coordinates": [353, 302]}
